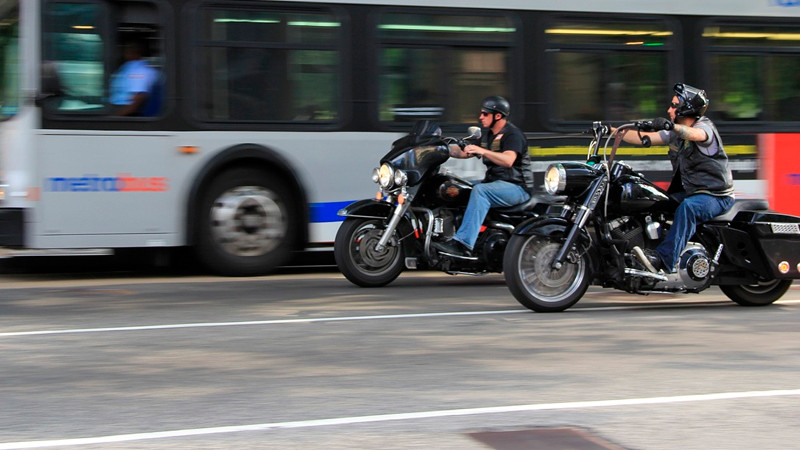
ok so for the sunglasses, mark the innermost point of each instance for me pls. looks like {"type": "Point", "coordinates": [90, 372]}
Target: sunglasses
{"type": "Point", "coordinates": [674, 105]}
{"type": "Point", "coordinates": [484, 113]}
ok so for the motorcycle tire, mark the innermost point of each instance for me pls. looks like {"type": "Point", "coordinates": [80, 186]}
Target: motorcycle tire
{"type": "Point", "coordinates": [357, 258]}
{"type": "Point", "coordinates": [760, 294]}
{"type": "Point", "coordinates": [534, 283]}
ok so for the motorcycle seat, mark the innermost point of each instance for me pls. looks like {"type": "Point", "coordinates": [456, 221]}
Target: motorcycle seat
{"type": "Point", "coordinates": [531, 203]}
{"type": "Point", "coordinates": [744, 204]}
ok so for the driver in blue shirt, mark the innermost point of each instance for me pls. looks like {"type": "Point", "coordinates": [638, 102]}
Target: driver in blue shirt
{"type": "Point", "coordinates": [133, 82]}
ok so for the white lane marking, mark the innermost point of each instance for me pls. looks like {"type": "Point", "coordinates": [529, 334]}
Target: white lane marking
{"type": "Point", "coordinates": [396, 417]}
{"type": "Point", "coordinates": [354, 318]}
{"type": "Point", "coordinates": [258, 322]}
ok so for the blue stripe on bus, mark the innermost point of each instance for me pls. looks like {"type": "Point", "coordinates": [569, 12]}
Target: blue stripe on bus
{"type": "Point", "coordinates": [326, 212]}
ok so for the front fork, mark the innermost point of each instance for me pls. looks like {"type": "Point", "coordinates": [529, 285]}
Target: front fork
{"type": "Point", "coordinates": [397, 214]}
{"type": "Point", "coordinates": [596, 190]}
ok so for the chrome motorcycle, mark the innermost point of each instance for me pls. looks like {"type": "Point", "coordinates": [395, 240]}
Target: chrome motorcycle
{"type": "Point", "coordinates": [418, 202]}
{"type": "Point", "coordinates": [613, 216]}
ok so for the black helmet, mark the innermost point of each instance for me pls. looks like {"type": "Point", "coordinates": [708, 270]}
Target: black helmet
{"type": "Point", "coordinates": [693, 102]}
{"type": "Point", "coordinates": [496, 104]}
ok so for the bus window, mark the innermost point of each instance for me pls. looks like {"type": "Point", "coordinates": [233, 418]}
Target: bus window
{"type": "Point", "coordinates": [755, 71]}
{"type": "Point", "coordinates": [440, 66]}
{"type": "Point", "coordinates": [9, 64]}
{"type": "Point", "coordinates": [74, 46]}
{"type": "Point", "coordinates": [137, 84]}
{"type": "Point", "coordinates": [606, 70]}
{"type": "Point", "coordinates": [85, 45]}
{"type": "Point", "coordinates": [268, 66]}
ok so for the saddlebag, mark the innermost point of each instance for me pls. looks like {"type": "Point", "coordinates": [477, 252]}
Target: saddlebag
{"type": "Point", "coordinates": [779, 236]}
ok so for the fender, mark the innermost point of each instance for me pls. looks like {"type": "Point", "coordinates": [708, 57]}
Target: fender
{"type": "Point", "coordinates": [379, 209]}
{"type": "Point", "coordinates": [369, 209]}
{"type": "Point", "coordinates": [249, 155]}
{"type": "Point", "coordinates": [549, 226]}
{"type": "Point", "coordinates": [543, 226]}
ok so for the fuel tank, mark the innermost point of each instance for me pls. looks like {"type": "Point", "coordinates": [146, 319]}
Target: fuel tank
{"type": "Point", "coordinates": [635, 194]}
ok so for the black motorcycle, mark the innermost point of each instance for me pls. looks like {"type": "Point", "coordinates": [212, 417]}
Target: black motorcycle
{"type": "Point", "coordinates": [613, 216]}
{"type": "Point", "coordinates": [418, 202]}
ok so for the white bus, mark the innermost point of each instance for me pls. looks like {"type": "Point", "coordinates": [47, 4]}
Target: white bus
{"type": "Point", "coordinates": [266, 117]}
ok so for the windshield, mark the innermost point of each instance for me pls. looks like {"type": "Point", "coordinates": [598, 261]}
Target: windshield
{"type": "Point", "coordinates": [9, 61]}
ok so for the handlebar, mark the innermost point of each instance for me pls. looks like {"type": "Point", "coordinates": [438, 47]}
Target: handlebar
{"type": "Point", "coordinates": [600, 129]}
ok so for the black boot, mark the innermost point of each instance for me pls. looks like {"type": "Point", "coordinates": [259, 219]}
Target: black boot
{"type": "Point", "coordinates": [452, 247]}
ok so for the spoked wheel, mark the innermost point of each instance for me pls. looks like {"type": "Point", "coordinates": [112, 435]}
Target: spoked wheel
{"type": "Point", "coordinates": [359, 259]}
{"type": "Point", "coordinates": [532, 280]}
{"type": "Point", "coordinates": [760, 294]}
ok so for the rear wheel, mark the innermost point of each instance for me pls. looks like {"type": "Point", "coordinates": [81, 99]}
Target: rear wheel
{"type": "Point", "coordinates": [532, 280]}
{"type": "Point", "coordinates": [246, 223]}
{"type": "Point", "coordinates": [760, 294]}
{"type": "Point", "coordinates": [359, 260]}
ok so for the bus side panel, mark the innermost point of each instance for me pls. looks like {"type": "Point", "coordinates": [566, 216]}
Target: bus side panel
{"type": "Point", "coordinates": [107, 190]}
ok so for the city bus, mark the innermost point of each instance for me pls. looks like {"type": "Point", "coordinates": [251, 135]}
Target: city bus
{"type": "Point", "coordinates": [265, 118]}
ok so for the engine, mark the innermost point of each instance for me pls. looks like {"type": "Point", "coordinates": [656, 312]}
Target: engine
{"type": "Point", "coordinates": [694, 267]}
{"type": "Point", "coordinates": [627, 229]}
{"type": "Point", "coordinates": [694, 271]}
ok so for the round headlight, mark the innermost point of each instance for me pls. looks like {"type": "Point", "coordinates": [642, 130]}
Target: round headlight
{"type": "Point", "coordinates": [400, 178]}
{"type": "Point", "coordinates": [385, 176]}
{"type": "Point", "coordinates": [376, 175]}
{"type": "Point", "coordinates": [555, 179]}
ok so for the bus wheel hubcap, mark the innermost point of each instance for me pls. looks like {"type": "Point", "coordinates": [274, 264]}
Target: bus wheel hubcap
{"type": "Point", "coordinates": [248, 221]}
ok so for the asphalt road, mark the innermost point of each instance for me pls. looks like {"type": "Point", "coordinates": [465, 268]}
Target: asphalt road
{"type": "Point", "coordinates": [309, 361]}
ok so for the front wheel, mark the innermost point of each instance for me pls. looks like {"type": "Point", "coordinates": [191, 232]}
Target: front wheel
{"type": "Point", "coordinates": [359, 260]}
{"type": "Point", "coordinates": [760, 294]}
{"type": "Point", "coordinates": [532, 280]}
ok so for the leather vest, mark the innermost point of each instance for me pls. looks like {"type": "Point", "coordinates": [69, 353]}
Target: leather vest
{"type": "Point", "coordinates": [520, 172]}
{"type": "Point", "coordinates": [701, 172]}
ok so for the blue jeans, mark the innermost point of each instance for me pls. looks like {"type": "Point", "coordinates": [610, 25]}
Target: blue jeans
{"type": "Point", "coordinates": [483, 197]}
{"type": "Point", "coordinates": [693, 210]}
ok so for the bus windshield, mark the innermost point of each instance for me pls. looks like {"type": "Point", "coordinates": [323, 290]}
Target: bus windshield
{"type": "Point", "coordinates": [9, 61]}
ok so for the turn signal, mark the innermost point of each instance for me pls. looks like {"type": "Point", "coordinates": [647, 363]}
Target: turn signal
{"type": "Point", "coordinates": [401, 199]}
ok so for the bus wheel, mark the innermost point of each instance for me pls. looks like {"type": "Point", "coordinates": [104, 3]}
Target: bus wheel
{"type": "Point", "coordinates": [246, 223]}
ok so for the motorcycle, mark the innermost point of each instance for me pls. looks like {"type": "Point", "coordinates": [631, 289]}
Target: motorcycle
{"type": "Point", "coordinates": [419, 202]}
{"type": "Point", "coordinates": [613, 216]}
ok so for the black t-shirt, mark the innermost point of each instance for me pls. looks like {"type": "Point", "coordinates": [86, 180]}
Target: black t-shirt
{"type": "Point", "coordinates": [509, 138]}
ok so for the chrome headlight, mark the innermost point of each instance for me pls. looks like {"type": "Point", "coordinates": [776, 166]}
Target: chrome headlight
{"type": "Point", "coordinates": [385, 176]}
{"type": "Point", "coordinates": [376, 175]}
{"type": "Point", "coordinates": [400, 178]}
{"type": "Point", "coordinates": [555, 179]}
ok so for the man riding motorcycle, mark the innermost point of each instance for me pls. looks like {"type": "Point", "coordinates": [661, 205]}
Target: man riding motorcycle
{"type": "Point", "coordinates": [702, 179]}
{"type": "Point", "coordinates": [508, 180]}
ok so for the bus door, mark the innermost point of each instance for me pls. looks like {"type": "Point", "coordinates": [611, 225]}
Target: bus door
{"type": "Point", "coordinates": [107, 172]}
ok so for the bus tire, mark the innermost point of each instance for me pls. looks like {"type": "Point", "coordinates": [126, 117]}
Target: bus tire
{"type": "Point", "coordinates": [246, 223]}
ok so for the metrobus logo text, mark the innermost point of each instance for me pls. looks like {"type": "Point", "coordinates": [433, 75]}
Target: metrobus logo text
{"type": "Point", "coordinates": [123, 182]}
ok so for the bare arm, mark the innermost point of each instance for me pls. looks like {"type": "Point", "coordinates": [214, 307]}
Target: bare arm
{"type": "Point", "coordinates": [684, 132]}
{"type": "Point", "coordinates": [690, 133]}
{"type": "Point", "coordinates": [138, 100]}
{"type": "Point", "coordinates": [457, 152]}
{"type": "Point", "coordinates": [632, 137]}
{"type": "Point", "coordinates": [505, 158]}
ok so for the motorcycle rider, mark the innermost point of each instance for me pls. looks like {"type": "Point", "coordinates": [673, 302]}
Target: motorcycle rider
{"type": "Point", "coordinates": [508, 180]}
{"type": "Point", "coordinates": [702, 180]}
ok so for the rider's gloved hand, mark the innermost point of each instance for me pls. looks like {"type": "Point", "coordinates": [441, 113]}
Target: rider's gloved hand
{"type": "Point", "coordinates": [660, 123]}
